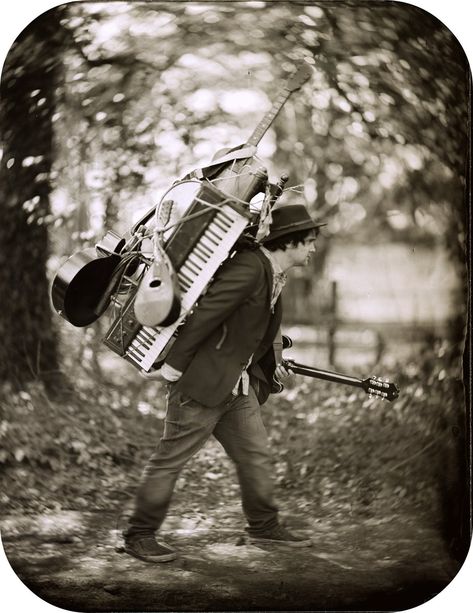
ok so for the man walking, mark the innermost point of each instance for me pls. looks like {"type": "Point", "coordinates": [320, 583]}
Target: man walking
{"type": "Point", "coordinates": [219, 371]}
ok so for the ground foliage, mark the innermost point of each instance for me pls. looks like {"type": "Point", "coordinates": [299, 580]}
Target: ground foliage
{"type": "Point", "coordinates": [336, 452]}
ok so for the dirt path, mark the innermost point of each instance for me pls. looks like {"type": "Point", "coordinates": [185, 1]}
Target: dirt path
{"type": "Point", "coordinates": [70, 559]}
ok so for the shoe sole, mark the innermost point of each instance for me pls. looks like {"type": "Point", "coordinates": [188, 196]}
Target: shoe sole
{"type": "Point", "coordinates": [167, 557]}
{"type": "Point", "coordinates": [295, 544]}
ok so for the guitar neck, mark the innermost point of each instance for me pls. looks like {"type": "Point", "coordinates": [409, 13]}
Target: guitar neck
{"type": "Point", "coordinates": [373, 386]}
{"type": "Point", "coordinates": [268, 119]}
{"type": "Point", "coordinates": [317, 373]}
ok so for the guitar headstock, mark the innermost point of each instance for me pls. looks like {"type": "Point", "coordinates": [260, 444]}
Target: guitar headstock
{"type": "Point", "coordinates": [294, 82]}
{"type": "Point", "coordinates": [375, 386]}
{"type": "Point", "coordinates": [298, 79]}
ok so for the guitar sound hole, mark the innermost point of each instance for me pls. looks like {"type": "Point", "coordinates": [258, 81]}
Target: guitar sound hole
{"type": "Point", "coordinates": [155, 283]}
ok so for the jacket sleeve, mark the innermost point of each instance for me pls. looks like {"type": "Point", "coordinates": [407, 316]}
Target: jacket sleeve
{"type": "Point", "coordinates": [235, 281]}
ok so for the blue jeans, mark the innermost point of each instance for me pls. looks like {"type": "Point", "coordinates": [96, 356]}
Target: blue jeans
{"type": "Point", "coordinates": [236, 423]}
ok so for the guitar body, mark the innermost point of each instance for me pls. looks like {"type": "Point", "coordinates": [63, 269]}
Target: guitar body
{"type": "Point", "coordinates": [80, 284]}
{"type": "Point", "coordinates": [241, 179]}
{"type": "Point", "coordinates": [157, 300]}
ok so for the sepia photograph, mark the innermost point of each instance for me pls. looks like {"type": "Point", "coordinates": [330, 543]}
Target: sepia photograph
{"type": "Point", "coordinates": [236, 359]}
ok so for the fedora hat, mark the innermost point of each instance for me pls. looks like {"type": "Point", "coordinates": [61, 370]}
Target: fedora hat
{"type": "Point", "coordinates": [289, 219]}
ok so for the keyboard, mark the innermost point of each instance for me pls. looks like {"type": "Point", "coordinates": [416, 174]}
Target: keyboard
{"type": "Point", "coordinates": [197, 248]}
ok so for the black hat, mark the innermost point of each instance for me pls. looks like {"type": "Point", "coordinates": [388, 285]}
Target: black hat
{"type": "Point", "coordinates": [289, 219]}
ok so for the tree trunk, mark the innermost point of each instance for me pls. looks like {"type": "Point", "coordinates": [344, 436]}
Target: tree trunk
{"type": "Point", "coordinates": [28, 348]}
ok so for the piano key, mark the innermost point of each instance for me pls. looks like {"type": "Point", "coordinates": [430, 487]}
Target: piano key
{"type": "Point", "coordinates": [130, 352]}
{"type": "Point", "coordinates": [200, 248]}
{"type": "Point", "coordinates": [213, 240]}
{"type": "Point", "coordinates": [208, 244]}
{"type": "Point", "coordinates": [183, 284]}
{"type": "Point", "coordinates": [189, 266]}
{"type": "Point", "coordinates": [195, 260]}
{"type": "Point", "coordinates": [146, 343]}
{"type": "Point", "coordinates": [198, 256]}
{"type": "Point", "coordinates": [137, 348]}
{"type": "Point", "coordinates": [213, 227]}
{"type": "Point", "coordinates": [224, 214]}
{"type": "Point", "coordinates": [213, 232]}
{"type": "Point", "coordinates": [221, 223]}
{"type": "Point", "coordinates": [148, 333]}
{"type": "Point", "coordinates": [184, 274]}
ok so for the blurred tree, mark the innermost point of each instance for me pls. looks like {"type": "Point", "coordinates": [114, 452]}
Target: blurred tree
{"type": "Point", "coordinates": [28, 92]}
{"type": "Point", "coordinates": [377, 139]}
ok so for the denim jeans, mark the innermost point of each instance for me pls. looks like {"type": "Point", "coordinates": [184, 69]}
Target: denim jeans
{"type": "Point", "coordinates": [236, 423]}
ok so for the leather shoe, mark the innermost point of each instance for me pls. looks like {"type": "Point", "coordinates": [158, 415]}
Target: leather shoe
{"type": "Point", "coordinates": [148, 549]}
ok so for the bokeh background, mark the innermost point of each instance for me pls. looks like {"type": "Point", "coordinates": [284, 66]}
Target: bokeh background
{"type": "Point", "coordinates": [104, 105]}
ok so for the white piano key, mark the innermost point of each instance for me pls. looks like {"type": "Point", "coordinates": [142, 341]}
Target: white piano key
{"type": "Point", "coordinates": [195, 256]}
{"type": "Point", "coordinates": [207, 244]}
{"type": "Point", "coordinates": [203, 249]}
{"type": "Point", "coordinates": [221, 224]}
{"type": "Point", "coordinates": [192, 267]}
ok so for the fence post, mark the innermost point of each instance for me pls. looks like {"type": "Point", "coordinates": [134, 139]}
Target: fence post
{"type": "Point", "coordinates": [333, 323]}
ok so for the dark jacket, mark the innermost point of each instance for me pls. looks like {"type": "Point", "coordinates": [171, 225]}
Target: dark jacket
{"type": "Point", "coordinates": [232, 322]}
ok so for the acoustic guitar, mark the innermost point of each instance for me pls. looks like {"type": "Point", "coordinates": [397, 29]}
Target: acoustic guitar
{"type": "Point", "coordinates": [79, 286]}
{"type": "Point", "coordinates": [374, 386]}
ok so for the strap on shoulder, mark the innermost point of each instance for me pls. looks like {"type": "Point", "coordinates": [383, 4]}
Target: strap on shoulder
{"type": "Point", "coordinates": [277, 347]}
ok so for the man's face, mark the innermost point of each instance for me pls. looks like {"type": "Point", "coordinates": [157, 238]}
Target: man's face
{"type": "Point", "coordinates": [301, 253]}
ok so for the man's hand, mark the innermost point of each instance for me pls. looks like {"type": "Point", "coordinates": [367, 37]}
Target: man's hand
{"type": "Point", "coordinates": [154, 375]}
{"type": "Point", "coordinates": [282, 372]}
{"type": "Point", "coordinates": [166, 373]}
